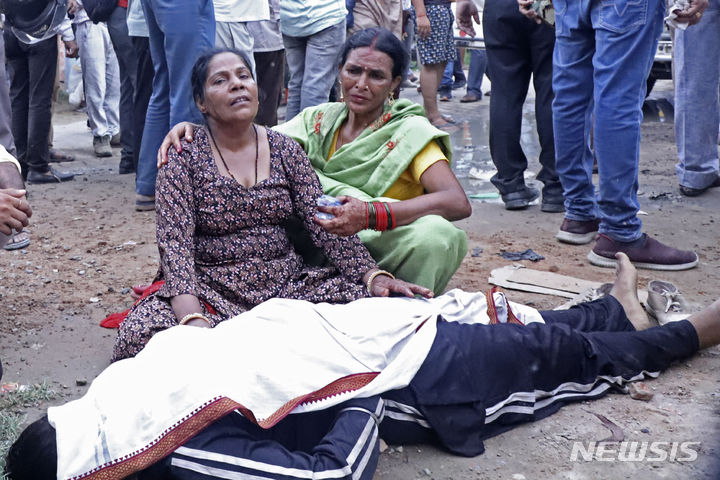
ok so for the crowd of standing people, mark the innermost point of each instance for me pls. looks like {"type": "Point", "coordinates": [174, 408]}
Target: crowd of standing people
{"type": "Point", "coordinates": [136, 59]}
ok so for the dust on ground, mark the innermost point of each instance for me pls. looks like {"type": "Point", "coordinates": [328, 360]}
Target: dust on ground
{"type": "Point", "coordinates": [89, 246]}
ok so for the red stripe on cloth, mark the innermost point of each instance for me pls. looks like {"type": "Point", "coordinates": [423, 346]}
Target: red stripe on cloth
{"type": "Point", "coordinates": [176, 435]}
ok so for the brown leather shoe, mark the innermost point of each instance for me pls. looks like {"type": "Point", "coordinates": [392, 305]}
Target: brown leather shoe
{"type": "Point", "coordinates": [645, 252]}
{"type": "Point", "coordinates": [578, 232]}
{"type": "Point", "coordinates": [694, 192]}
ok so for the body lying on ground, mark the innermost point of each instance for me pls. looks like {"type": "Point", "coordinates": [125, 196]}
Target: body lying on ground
{"type": "Point", "coordinates": [448, 370]}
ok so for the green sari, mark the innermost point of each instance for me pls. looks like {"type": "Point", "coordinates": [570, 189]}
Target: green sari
{"type": "Point", "coordinates": [427, 251]}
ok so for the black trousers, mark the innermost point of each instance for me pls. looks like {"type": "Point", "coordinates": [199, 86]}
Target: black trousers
{"type": "Point", "coordinates": [32, 71]}
{"type": "Point", "coordinates": [518, 48]}
{"type": "Point", "coordinates": [143, 90]}
{"type": "Point", "coordinates": [270, 69]}
{"type": "Point", "coordinates": [481, 380]}
{"type": "Point", "coordinates": [127, 58]}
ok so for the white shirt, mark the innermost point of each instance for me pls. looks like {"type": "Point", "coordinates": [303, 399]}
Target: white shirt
{"type": "Point", "coordinates": [241, 10]}
{"type": "Point", "coordinates": [5, 157]}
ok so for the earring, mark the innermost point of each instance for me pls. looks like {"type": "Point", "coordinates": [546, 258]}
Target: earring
{"type": "Point", "coordinates": [391, 99]}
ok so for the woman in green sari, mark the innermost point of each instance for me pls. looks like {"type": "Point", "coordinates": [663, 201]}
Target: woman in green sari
{"type": "Point", "coordinates": [387, 164]}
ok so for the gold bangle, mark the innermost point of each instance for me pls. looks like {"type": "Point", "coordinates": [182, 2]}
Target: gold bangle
{"type": "Point", "coordinates": [372, 277]}
{"type": "Point", "coordinates": [193, 316]}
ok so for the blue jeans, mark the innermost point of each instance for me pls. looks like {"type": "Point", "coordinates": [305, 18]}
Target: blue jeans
{"type": "Point", "coordinates": [697, 111]}
{"type": "Point", "coordinates": [180, 30]}
{"type": "Point", "coordinates": [600, 65]}
{"type": "Point", "coordinates": [313, 65]}
{"type": "Point", "coordinates": [453, 70]}
{"type": "Point", "coordinates": [478, 65]}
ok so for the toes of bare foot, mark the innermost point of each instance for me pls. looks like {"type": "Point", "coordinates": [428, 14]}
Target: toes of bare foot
{"type": "Point", "coordinates": [625, 291]}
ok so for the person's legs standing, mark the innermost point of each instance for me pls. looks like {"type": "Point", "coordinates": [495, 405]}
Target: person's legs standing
{"type": "Point", "coordinates": [572, 118]}
{"type": "Point", "coordinates": [476, 72]}
{"type": "Point", "coordinates": [124, 51]}
{"type": "Point", "coordinates": [270, 67]}
{"type": "Point", "coordinates": [409, 40]}
{"type": "Point", "coordinates": [179, 33]}
{"type": "Point", "coordinates": [624, 51]}
{"type": "Point", "coordinates": [18, 60]}
{"type": "Point", "coordinates": [321, 60]}
{"type": "Point", "coordinates": [144, 74]}
{"type": "Point", "coordinates": [625, 48]}
{"type": "Point", "coordinates": [6, 138]}
{"type": "Point", "coordinates": [542, 43]}
{"type": "Point", "coordinates": [459, 79]}
{"type": "Point", "coordinates": [295, 48]}
{"type": "Point", "coordinates": [697, 110]}
{"type": "Point", "coordinates": [446, 83]}
{"type": "Point", "coordinates": [32, 73]}
{"type": "Point", "coordinates": [509, 64]}
{"type": "Point", "coordinates": [435, 51]}
{"type": "Point", "coordinates": [111, 101]}
{"type": "Point", "coordinates": [93, 42]}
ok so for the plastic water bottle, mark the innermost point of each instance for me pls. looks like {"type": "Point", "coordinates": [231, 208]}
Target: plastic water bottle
{"type": "Point", "coordinates": [327, 201]}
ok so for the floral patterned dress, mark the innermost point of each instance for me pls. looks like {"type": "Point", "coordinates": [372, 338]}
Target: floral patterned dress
{"type": "Point", "coordinates": [227, 244]}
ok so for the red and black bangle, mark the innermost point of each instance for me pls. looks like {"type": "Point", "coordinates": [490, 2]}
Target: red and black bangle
{"type": "Point", "coordinates": [391, 216]}
{"type": "Point", "coordinates": [372, 219]}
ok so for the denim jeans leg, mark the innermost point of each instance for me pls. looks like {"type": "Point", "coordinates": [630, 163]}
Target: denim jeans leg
{"type": "Point", "coordinates": [478, 64]}
{"type": "Point", "coordinates": [180, 31]}
{"type": "Point", "coordinates": [572, 107]}
{"type": "Point", "coordinates": [697, 111]}
{"type": "Point", "coordinates": [295, 50]}
{"type": "Point", "coordinates": [457, 70]}
{"type": "Point", "coordinates": [321, 65]}
{"type": "Point", "coordinates": [117, 28]}
{"type": "Point", "coordinates": [446, 83]}
{"type": "Point", "coordinates": [624, 52]}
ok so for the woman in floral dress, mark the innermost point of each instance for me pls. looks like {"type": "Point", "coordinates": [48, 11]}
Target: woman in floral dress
{"type": "Point", "coordinates": [222, 206]}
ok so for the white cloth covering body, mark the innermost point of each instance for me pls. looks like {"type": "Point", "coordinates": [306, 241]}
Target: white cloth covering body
{"type": "Point", "coordinates": [262, 359]}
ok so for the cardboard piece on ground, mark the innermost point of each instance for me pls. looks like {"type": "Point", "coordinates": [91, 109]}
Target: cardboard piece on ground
{"type": "Point", "coordinates": [518, 277]}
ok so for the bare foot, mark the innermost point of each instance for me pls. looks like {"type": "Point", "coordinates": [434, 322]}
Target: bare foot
{"type": "Point", "coordinates": [625, 291]}
{"type": "Point", "coordinates": [707, 325]}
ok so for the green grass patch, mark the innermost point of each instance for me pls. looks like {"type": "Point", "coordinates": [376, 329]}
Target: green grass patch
{"type": "Point", "coordinates": [12, 414]}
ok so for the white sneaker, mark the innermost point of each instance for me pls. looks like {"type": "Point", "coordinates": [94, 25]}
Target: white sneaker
{"type": "Point", "coordinates": [665, 302]}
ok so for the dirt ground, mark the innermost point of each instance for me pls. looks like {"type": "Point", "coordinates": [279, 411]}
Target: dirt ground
{"type": "Point", "coordinates": [89, 245]}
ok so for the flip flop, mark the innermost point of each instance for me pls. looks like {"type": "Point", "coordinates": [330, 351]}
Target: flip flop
{"type": "Point", "coordinates": [446, 126]}
{"type": "Point", "coordinates": [57, 157]}
{"type": "Point", "coordinates": [18, 240]}
{"type": "Point", "coordinates": [449, 119]}
{"type": "Point", "coordinates": [470, 97]}
{"type": "Point", "coordinates": [138, 290]}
